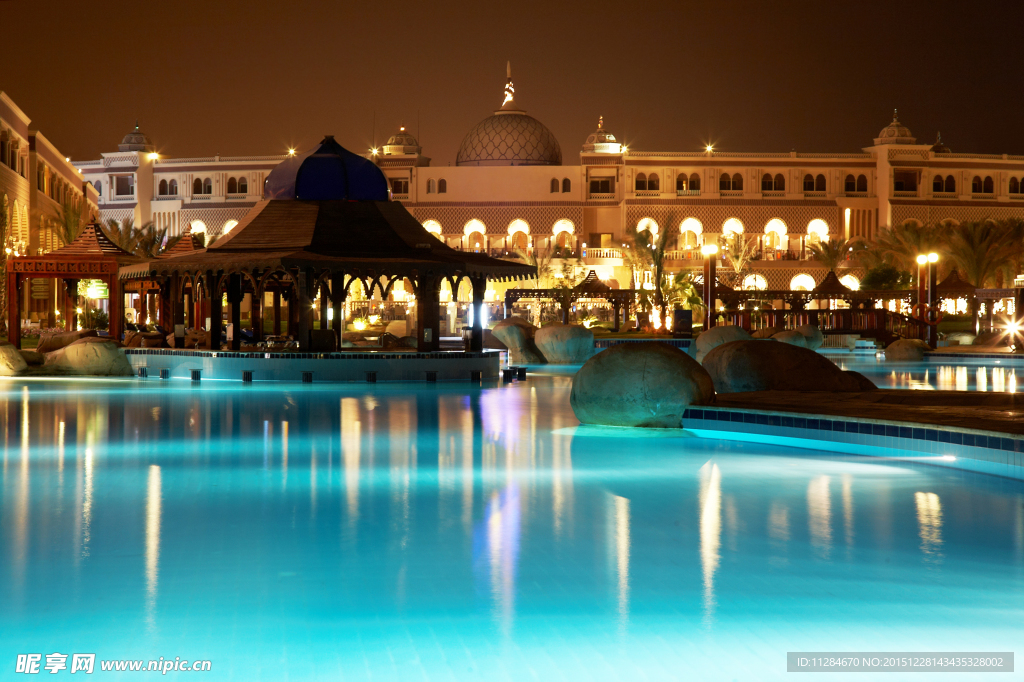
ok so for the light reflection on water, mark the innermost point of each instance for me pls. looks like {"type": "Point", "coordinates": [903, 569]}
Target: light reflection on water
{"type": "Point", "coordinates": [931, 376]}
{"type": "Point", "coordinates": [449, 531]}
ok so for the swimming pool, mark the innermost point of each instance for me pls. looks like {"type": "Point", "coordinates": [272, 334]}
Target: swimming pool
{"type": "Point", "coordinates": [310, 532]}
{"type": "Point", "coordinates": [959, 375]}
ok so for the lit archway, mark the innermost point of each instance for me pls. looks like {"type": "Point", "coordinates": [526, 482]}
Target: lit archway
{"type": "Point", "coordinates": [850, 282]}
{"type": "Point", "coordinates": [564, 226]}
{"type": "Point", "coordinates": [732, 226]}
{"type": "Point", "coordinates": [817, 230]}
{"type": "Point", "coordinates": [518, 234]}
{"type": "Point", "coordinates": [474, 225]}
{"type": "Point", "coordinates": [228, 226]}
{"type": "Point", "coordinates": [802, 282]}
{"type": "Point", "coordinates": [755, 281]}
{"type": "Point", "coordinates": [518, 225]}
{"type": "Point", "coordinates": [433, 227]}
{"type": "Point", "coordinates": [648, 224]}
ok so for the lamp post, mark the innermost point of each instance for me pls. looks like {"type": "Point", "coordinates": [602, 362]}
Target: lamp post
{"type": "Point", "coordinates": [710, 251]}
{"type": "Point", "coordinates": [927, 296]}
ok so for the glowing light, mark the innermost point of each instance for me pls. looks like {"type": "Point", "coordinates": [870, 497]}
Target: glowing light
{"type": "Point", "coordinates": [78, 310]}
{"type": "Point", "coordinates": [359, 325]}
{"type": "Point", "coordinates": [374, 319]}
{"type": "Point", "coordinates": [625, 149]}
{"type": "Point", "coordinates": [709, 148]}
{"type": "Point", "coordinates": [933, 257]}
{"type": "Point", "coordinates": [922, 259]}
{"type": "Point", "coordinates": [709, 249]}
{"type": "Point", "coordinates": [67, 158]}
{"type": "Point", "coordinates": [153, 156]}
{"type": "Point", "coordinates": [949, 458]}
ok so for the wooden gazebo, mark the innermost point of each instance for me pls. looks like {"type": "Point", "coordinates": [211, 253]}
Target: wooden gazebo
{"type": "Point", "coordinates": [326, 222]}
{"type": "Point", "coordinates": [90, 256]}
{"type": "Point", "coordinates": [590, 288]}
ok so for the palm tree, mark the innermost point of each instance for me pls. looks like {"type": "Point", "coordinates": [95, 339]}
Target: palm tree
{"type": "Point", "coordinates": [986, 253]}
{"type": "Point", "coordinates": [834, 252]}
{"type": "Point", "coordinates": [739, 254]}
{"type": "Point", "coordinates": [70, 221]}
{"type": "Point", "coordinates": [647, 252]}
{"type": "Point", "coordinates": [900, 245]}
{"type": "Point", "coordinates": [154, 241]}
{"type": "Point", "coordinates": [123, 233]}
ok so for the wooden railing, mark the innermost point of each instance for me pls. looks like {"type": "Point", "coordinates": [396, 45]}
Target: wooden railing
{"type": "Point", "coordinates": [876, 323]}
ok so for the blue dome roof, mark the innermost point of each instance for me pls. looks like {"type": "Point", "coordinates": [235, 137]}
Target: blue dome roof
{"type": "Point", "coordinates": [327, 172]}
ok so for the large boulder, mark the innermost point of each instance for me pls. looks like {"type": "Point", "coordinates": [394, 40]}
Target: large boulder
{"type": "Point", "coordinates": [792, 337]}
{"type": "Point", "coordinates": [89, 359]}
{"type": "Point", "coordinates": [906, 350]}
{"type": "Point", "coordinates": [813, 335]}
{"type": "Point", "coordinates": [960, 339]}
{"type": "Point", "coordinates": [33, 357]}
{"type": "Point", "coordinates": [565, 344]}
{"type": "Point", "coordinates": [12, 362]}
{"type": "Point", "coordinates": [51, 341]}
{"type": "Point", "coordinates": [639, 384]}
{"type": "Point", "coordinates": [741, 366]}
{"type": "Point", "coordinates": [767, 332]}
{"type": "Point", "coordinates": [517, 335]}
{"type": "Point", "coordinates": [716, 336]}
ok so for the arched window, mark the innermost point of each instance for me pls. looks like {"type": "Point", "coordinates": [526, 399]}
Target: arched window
{"type": "Point", "coordinates": [850, 185]}
{"type": "Point", "coordinates": [228, 226]}
{"type": "Point", "coordinates": [819, 183]}
{"type": "Point", "coordinates": [950, 183]}
{"type": "Point", "coordinates": [1014, 186]}
{"type": "Point", "coordinates": [808, 183]}
{"type": "Point", "coordinates": [433, 227]}
{"type": "Point", "coordinates": [197, 186]}
{"type": "Point", "coordinates": [937, 184]}
{"type": "Point", "coordinates": [737, 182]}
{"type": "Point", "coordinates": [695, 182]}
{"type": "Point", "coordinates": [243, 186]}
{"type": "Point", "coordinates": [988, 187]}
{"type": "Point", "coordinates": [653, 182]}
{"type": "Point", "coordinates": [442, 186]}
{"type": "Point", "coordinates": [755, 281]}
{"type": "Point", "coordinates": [232, 186]}
{"type": "Point", "coordinates": [850, 282]}
{"type": "Point", "coordinates": [430, 186]}
{"type": "Point", "coordinates": [207, 186]}
{"type": "Point", "coordinates": [732, 226]}
{"type": "Point", "coordinates": [554, 185]}
{"type": "Point", "coordinates": [862, 183]}
{"type": "Point", "coordinates": [817, 230]}
{"type": "Point", "coordinates": [566, 185]}
{"type": "Point", "coordinates": [766, 183]}
{"type": "Point", "coordinates": [163, 188]}
{"type": "Point", "coordinates": [802, 282]}
{"type": "Point", "coordinates": [681, 182]}
{"type": "Point", "coordinates": [976, 185]}
{"type": "Point", "coordinates": [780, 183]}
{"type": "Point", "coordinates": [724, 183]}
{"type": "Point", "coordinates": [641, 182]}
{"type": "Point", "coordinates": [99, 187]}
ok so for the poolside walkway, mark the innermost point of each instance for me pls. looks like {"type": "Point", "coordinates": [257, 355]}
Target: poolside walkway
{"type": "Point", "coordinates": [999, 412]}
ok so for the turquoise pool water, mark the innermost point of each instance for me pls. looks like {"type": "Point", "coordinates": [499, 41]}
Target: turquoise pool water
{"type": "Point", "coordinates": [401, 532]}
{"type": "Point", "coordinates": [987, 375]}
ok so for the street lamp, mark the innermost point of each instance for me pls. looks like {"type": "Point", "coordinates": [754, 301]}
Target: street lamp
{"type": "Point", "coordinates": [709, 251]}
{"type": "Point", "coordinates": [927, 296]}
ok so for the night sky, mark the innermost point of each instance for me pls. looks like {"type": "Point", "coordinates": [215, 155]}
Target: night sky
{"type": "Point", "coordinates": [218, 76]}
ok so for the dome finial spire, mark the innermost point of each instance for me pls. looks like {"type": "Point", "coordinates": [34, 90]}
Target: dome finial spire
{"type": "Point", "coordinates": [895, 118]}
{"type": "Point", "coordinates": [600, 122]}
{"type": "Point", "coordinates": [508, 69]}
{"type": "Point", "coordinates": [509, 103]}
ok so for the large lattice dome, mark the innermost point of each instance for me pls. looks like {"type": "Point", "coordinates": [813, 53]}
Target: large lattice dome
{"type": "Point", "coordinates": [136, 141]}
{"type": "Point", "coordinates": [509, 137]}
{"type": "Point", "coordinates": [895, 133]}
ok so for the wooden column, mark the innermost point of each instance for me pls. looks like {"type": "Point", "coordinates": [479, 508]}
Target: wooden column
{"type": "Point", "coordinates": [166, 304]}
{"type": "Point", "coordinates": [710, 294]}
{"type": "Point", "coordinates": [277, 312]}
{"type": "Point", "coordinates": [338, 301]}
{"type": "Point", "coordinates": [213, 301]}
{"type": "Point", "coordinates": [234, 292]}
{"type": "Point", "coordinates": [476, 341]}
{"type": "Point", "coordinates": [70, 305]}
{"type": "Point", "coordinates": [303, 309]}
{"type": "Point", "coordinates": [189, 312]}
{"type": "Point", "coordinates": [325, 303]}
{"type": "Point", "coordinates": [428, 316]}
{"type": "Point", "coordinates": [256, 313]}
{"type": "Point", "coordinates": [178, 308]}
{"type": "Point", "coordinates": [116, 318]}
{"type": "Point", "coordinates": [13, 307]}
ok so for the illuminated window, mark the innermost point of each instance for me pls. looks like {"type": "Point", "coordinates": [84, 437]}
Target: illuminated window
{"type": "Point", "coordinates": [755, 281]}
{"type": "Point", "coordinates": [554, 185]}
{"type": "Point", "coordinates": [442, 186]}
{"type": "Point", "coordinates": [433, 227]}
{"type": "Point", "coordinates": [691, 225]}
{"type": "Point", "coordinates": [802, 282]}
{"type": "Point", "coordinates": [564, 226]}
{"type": "Point", "coordinates": [566, 185]}
{"type": "Point", "coordinates": [228, 226]}
{"type": "Point", "coordinates": [850, 282]}
{"type": "Point", "coordinates": [817, 230]}
{"type": "Point", "coordinates": [641, 182]}
{"type": "Point", "coordinates": [649, 225]}
{"type": "Point", "coordinates": [732, 226]}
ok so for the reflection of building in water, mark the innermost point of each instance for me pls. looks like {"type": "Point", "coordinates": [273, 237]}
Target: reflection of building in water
{"type": "Point", "coordinates": [819, 515]}
{"type": "Point", "coordinates": [503, 529]}
{"type": "Point", "coordinates": [929, 520]}
{"type": "Point", "coordinates": [710, 533]}
{"type": "Point", "coordinates": [618, 544]}
{"type": "Point", "coordinates": [153, 504]}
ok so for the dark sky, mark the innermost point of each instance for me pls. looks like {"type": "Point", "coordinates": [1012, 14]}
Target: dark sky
{"type": "Point", "coordinates": [255, 77]}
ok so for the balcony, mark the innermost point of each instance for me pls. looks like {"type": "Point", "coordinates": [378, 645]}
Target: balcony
{"type": "Point", "coordinates": [944, 195]}
{"type": "Point", "coordinates": [687, 192]}
{"type": "Point", "coordinates": [201, 197]}
{"type": "Point", "coordinates": [772, 194]}
{"type": "Point", "coordinates": [122, 197]}
{"type": "Point", "coordinates": [604, 196]}
{"type": "Point", "coordinates": [399, 197]}
{"type": "Point", "coordinates": [604, 253]}
{"type": "Point", "coordinates": [236, 197]}
{"type": "Point", "coordinates": [648, 193]}
{"type": "Point", "coordinates": [904, 195]}
{"type": "Point", "coordinates": [731, 193]}
{"type": "Point", "coordinates": [814, 195]}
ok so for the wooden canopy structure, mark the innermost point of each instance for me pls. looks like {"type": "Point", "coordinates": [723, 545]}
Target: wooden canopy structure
{"type": "Point", "coordinates": [302, 248]}
{"type": "Point", "coordinates": [590, 288]}
{"type": "Point", "coordinates": [91, 256]}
